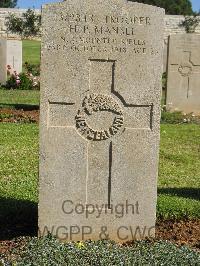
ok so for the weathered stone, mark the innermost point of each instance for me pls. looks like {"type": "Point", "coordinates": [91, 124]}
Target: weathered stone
{"type": "Point", "coordinates": [100, 113]}
{"type": "Point", "coordinates": [165, 55]}
{"type": "Point", "coordinates": [10, 55]}
{"type": "Point", "coordinates": [183, 82]}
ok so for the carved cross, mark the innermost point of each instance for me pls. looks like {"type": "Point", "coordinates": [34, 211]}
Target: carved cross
{"type": "Point", "coordinates": [111, 119]}
{"type": "Point", "coordinates": [186, 69]}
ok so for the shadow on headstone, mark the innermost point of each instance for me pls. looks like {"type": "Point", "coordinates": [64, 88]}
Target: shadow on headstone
{"type": "Point", "coordinates": [17, 218]}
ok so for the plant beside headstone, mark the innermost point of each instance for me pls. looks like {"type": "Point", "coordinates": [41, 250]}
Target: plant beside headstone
{"type": "Point", "coordinates": [28, 80]}
{"type": "Point", "coordinates": [49, 251]}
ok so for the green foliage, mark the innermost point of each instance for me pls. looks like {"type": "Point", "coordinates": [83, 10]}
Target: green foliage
{"type": "Point", "coordinates": [21, 82]}
{"type": "Point", "coordinates": [11, 83]}
{"type": "Point", "coordinates": [33, 69]}
{"type": "Point", "coordinates": [14, 24]}
{"type": "Point", "coordinates": [172, 118]}
{"type": "Point", "coordinates": [8, 3]}
{"type": "Point", "coordinates": [3, 116]}
{"type": "Point", "coordinates": [49, 251]}
{"type": "Point", "coordinates": [172, 7]}
{"type": "Point", "coordinates": [25, 82]}
{"type": "Point", "coordinates": [32, 23]}
{"type": "Point", "coordinates": [178, 118]}
{"type": "Point", "coordinates": [27, 26]}
{"type": "Point", "coordinates": [191, 22]}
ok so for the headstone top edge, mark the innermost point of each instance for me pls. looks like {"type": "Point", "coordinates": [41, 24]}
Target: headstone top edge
{"type": "Point", "coordinates": [155, 8]}
{"type": "Point", "coordinates": [10, 39]}
{"type": "Point", "coordinates": [184, 36]}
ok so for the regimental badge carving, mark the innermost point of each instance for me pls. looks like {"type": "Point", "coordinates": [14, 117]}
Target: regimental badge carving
{"type": "Point", "coordinates": [99, 103]}
{"type": "Point", "coordinates": [185, 69]}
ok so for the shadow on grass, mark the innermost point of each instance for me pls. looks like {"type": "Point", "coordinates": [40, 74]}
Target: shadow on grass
{"type": "Point", "coordinates": [190, 193]}
{"type": "Point", "coordinates": [17, 218]}
{"type": "Point", "coordinates": [25, 107]}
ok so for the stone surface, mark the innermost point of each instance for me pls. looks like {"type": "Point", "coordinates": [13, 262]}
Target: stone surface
{"type": "Point", "coordinates": [10, 54]}
{"type": "Point", "coordinates": [183, 93]}
{"type": "Point", "coordinates": [165, 55]}
{"type": "Point", "coordinates": [99, 124]}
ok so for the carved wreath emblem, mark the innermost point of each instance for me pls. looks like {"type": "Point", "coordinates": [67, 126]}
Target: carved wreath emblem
{"type": "Point", "coordinates": [97, 103]}
{"type": "Point", "coordinates": [185, 69]}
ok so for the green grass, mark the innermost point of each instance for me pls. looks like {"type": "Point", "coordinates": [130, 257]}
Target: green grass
{"type": "Point", "coordinates": [18, 179]}
{"type": "Point", "coordinates": [31, 52]}
{"type": "Point", "coordinates": [179, 169]}
{"type": "Point", "coordinates": [19, 161]}
{"type": "Point", "coordinates": [19, 97]}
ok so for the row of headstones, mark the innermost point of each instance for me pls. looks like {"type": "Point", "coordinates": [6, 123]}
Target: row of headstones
{"type": "Point", "coordinates": [10, 58]}
{"type": "Point", "coordinates": [183, 59]}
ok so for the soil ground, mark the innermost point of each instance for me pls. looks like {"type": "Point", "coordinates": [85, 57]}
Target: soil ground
{"type": "Point", "coordinates": [183, 232]}
{"type": "Point", "coordinates": [15, 116]}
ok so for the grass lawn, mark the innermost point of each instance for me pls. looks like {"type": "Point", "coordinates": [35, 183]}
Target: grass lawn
{"type": "Point", "coordinates": [19, 161]}
{"type": "Point", "coordinates": [179, 169]}
{"type": "Point", "coordinates": [31, 52]}
{"type": "Point", "coordinates": [19, 97]}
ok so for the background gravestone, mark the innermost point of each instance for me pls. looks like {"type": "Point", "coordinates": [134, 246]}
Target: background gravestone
{"type": "Point", "coordinates": [3, 61]}
{"type": "Point", "coordinates": [99, 124]}
{"type": "Point", "coordinates": [183, 84]}
{"type": "Point", "coordinates": [10, 54]}
{"type": "Point", "coordinates": [165, 55]}
{"type": "Point", "coordinates": [14, 54]}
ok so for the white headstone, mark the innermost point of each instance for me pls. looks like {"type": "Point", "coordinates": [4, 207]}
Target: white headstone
{"type": "Point", "coordinates": [10, 55]}
{"type": "Point", "coordinates": [183, 84]}
{"type": "Point", "coordinates": [14, 54]}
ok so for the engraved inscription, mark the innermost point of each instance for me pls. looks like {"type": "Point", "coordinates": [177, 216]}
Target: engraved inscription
{"type": "Point", "coordinates": [98, 103]}
{"type": "Point", "coordinates": [91, 33]}
{"type": "Point", "coordinates": [75, 17]}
